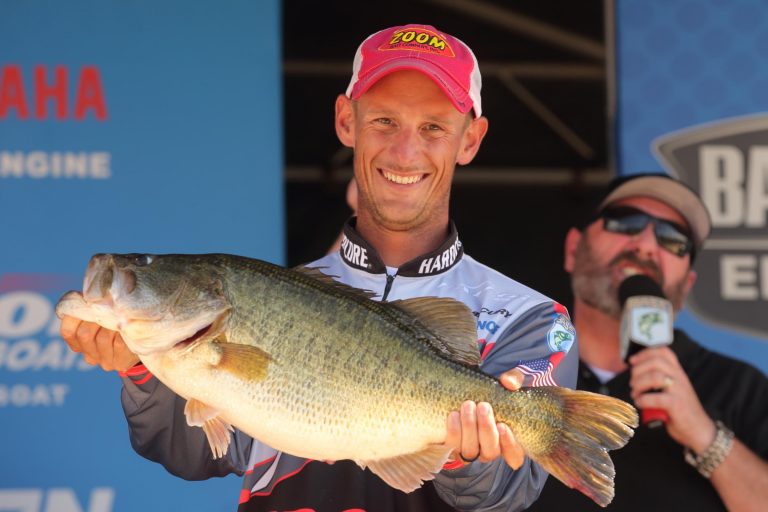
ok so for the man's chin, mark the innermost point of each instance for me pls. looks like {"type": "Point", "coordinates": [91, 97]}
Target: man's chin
{"type": "Point", "coordinates": [399, 221]}
{"type": "Point", "coordinates": [597, 293]}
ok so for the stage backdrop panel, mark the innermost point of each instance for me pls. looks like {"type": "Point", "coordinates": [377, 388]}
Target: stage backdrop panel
{"type": "Point", "coordinates": [138, 126]}
{"type": "Point", "coordinates": [692, 84]}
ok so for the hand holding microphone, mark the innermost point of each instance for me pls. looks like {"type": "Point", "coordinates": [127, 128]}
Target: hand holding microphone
{"type": "Point", "coordinates": [646, 322]}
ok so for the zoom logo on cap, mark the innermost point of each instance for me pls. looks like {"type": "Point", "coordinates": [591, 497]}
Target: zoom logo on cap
{"type": "Point", "coordinates": [418, 39]}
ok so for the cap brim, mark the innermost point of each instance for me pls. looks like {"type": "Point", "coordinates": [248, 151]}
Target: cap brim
{"type": "Point", "coordinates": [671, 192]}
{"type": "Point", "coordinates": [458, 96]}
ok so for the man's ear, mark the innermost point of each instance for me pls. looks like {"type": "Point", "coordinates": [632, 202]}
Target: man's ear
{"type": "Point", "coordinates": [470, 142]}
{"type": "Point", "coordinates": [690, 280]}
{"type": "Point", "coordinates": [572, 240]}
{"type": "Point", "coordinates": [345, 121]}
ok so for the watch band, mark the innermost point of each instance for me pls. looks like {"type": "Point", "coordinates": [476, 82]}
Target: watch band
{"type": "Point", "coordinates": [706, 462]}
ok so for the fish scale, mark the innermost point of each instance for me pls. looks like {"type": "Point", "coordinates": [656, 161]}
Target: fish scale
{"type": "Point", "coordinates": [317, 369]}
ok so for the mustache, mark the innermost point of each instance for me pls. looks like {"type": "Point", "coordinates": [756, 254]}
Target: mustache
{"type": "Point", "coordinates": [647, 266]}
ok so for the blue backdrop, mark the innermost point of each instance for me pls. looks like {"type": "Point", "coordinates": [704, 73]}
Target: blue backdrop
{"type": "Point", "coordinates": [692, 90]}
{"type": "Point", "coordinates": [137, 126]}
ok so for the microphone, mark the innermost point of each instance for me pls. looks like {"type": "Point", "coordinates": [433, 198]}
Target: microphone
{"type": "Point", "coordinates": [646, 321]}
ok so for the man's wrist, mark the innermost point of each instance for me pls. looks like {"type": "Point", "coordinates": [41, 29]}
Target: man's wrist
{"type": "Point", "coordinates": [709, 459]}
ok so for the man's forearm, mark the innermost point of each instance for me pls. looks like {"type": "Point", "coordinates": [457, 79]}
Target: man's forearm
{"type": "Point", "coordinates": [742, 480]}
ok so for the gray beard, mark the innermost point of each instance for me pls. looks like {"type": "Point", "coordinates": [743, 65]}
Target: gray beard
{"type": "Point", "coordinates": [592, 283]}
{"type": "Point", "coordinates": [596, 291]}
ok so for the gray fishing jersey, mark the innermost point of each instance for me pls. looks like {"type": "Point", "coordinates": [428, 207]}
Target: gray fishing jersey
{"type": "Point", "coordinates": [517, 327]}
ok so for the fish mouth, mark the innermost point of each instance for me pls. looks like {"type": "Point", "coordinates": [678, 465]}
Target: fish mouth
{"type": "Point", "coordinates": [207, 332]}
{"type": "Point", "coordinates": [192, 339]}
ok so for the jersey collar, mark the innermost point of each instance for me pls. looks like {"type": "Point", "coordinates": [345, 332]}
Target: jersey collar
{"type": "Point", "coordinates": [359, 254]}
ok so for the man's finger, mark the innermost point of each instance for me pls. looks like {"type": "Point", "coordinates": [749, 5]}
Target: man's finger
{"type": "Point", "coordinates": [68, 330]}
{"type": "Point", "coordinates": [470, 448]}
{"type": "Point", "coordinates": [651, 380]}
{"type": "Point", "coordinates": [488, 434]}
{"type": "Point", "coordinates": [104, 344]}
{"type": "Point", "coordinates": [124, 358]}
{"type": "Point", "coordinates": [655, 401]}
{"type": "Point", "coordinates": [654, 353]}
{"type": "Point", "coordinates": [86, 336]}
{"type": "Point", "coordinates": [453, 437]}
{"type": "Point", "coordinates": [512, 379]}
{"type": "Point", "coordinates": [511, 450]}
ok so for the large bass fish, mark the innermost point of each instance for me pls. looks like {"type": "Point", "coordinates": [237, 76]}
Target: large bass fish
{"type": "Point", "coordinates": [317, 369]}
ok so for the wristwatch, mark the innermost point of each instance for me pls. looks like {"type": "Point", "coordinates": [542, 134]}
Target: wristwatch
{"type": "Point", "coordinates": [715, 454]}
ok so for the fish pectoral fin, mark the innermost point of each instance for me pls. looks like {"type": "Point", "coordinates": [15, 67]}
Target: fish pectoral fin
{"type": "Point", "coordinates": [216, 430]}
{"type": "Point", "coordinates": [451, 321]}
{"type": "Point", "coordinates": [244, 361]}
{"type": "Point", "coordinates": [408, 472]}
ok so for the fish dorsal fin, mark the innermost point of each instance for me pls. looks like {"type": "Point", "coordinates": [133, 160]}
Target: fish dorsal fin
{"type": "Point", "coordinates": [317, 275]}
{"type": "Point", "coordinates": [408, 472]}
{"type": "Point", "coordinates": [451, 321]}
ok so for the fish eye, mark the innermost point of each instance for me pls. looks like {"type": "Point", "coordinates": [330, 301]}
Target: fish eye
{"type": "Point", "coordinates": [142, 260]}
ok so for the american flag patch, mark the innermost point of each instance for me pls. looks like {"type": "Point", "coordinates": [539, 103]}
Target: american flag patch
{"type": "Point", "coordinates": [540, 370]}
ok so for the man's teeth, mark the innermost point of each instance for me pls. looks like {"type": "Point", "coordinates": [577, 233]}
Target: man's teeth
{"type": "Point", "coordinates": [403, 180]}
{"type": "Point", "coordinates": [630, 271]}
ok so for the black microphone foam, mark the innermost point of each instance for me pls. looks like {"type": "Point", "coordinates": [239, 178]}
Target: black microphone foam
{"type": "Point", "coordinates": [638, 284]}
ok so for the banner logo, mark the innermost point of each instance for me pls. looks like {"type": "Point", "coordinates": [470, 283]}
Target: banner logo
{"type": "Point", "coordinates": [31, 98]}
{"type": "Point", "coordinates": [34, 360]}
{"type": "Point", "coordinates": [60, 499]}
{"type": "Point", "coordinates": [59, 93]}
{"type": "Point", "coordinates": [726, 163]}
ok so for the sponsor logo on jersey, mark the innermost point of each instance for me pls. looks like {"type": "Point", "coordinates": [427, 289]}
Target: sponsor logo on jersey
{"type": "Point", "coordinates": [486, 311]}
{"type": "Point", "coordinates": [442, 261]}
{"type": "Point", "coordinates": [487, 325]}
{"type": "Point", "coordinates": [355, 254]}
{"type": "Point", "coordinates": [561, 335]}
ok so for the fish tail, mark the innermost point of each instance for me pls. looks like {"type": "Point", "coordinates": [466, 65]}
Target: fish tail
{"type": "Point", "coordinates": [591, 425]}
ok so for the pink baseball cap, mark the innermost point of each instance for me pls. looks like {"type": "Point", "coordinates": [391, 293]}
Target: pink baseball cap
{"type": "Point", "coordinates": [440, 56]}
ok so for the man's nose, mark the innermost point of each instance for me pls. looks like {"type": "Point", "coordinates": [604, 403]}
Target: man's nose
{"type": "Point", "coordinates": [406, 145]}
{"type": "Point", "coordinates": [645, 241]}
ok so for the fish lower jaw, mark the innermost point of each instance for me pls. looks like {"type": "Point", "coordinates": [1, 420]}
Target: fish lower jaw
{"type": "Point", "coordinates": [146, 342]}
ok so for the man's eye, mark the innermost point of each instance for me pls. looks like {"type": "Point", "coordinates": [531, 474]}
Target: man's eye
{"type": "Point", "coordinates": [383, 120]}
{"type": "Point", "coordinates": [433, 127]}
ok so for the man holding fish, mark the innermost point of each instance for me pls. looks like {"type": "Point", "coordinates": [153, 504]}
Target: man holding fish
{"type": "Point", "coordinates": [411, 113]}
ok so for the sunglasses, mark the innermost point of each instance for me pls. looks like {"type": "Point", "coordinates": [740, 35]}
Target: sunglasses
{"type": "Point", "coordinates": [630, 221]}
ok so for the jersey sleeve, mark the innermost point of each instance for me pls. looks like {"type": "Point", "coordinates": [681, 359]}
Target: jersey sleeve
{"type": "Point", "coordinates": [541, 342]}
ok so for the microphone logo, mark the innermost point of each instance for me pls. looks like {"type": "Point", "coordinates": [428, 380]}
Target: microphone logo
{"type": "Point", "coordinates": [647, 321]}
